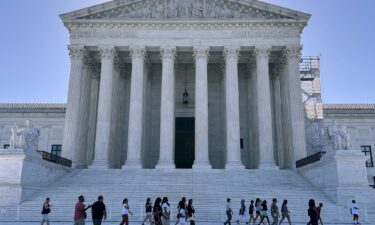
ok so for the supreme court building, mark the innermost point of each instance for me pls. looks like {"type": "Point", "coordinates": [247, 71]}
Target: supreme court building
{"type": "Point", "coordinates": [184, 84]}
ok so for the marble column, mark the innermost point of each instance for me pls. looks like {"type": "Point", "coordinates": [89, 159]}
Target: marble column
{"type": "Point", "coordinates": [201, 108]}
{"type": "Point", "coordinates": [136, 108]}
{"type": "Point", "coordinates": [231, 55]}
{"type": "Point", "coordinates": [94, 94]}
{"type": "Point", "coordinates": [286, 117]}
{"type": "Point", "coordinates": [167, 117]}
{"type": "Point", "coordinates": [103, 124]}
{"type": "Point", "coordinates": [72, 123]}
{"type": "Point", "coordinates": [278, 115]}
{"type": "Point", "coordinates": [297, 135]}
{"type": "Point", "coordinates": [265, 141]}
{"type": "Point", "coordinates": [80, 154]}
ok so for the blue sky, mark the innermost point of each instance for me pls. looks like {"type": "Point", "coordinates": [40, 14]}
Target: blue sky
{"type": "Point", "coordinates": [34, 62]}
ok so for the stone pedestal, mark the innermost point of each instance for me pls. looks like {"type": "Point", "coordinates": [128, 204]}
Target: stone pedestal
{"type": "Point", "coordinates": [342, 176]}
{"type": "Point", "coordinates": [23, 173]}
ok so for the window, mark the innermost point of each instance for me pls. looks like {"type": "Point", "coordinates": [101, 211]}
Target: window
{"type": "Point", "coordinates": [6, 146]}
{"type": "Point", "coordinates": [56, 150]}
{"type": "Point", "coordinates": [367, 150]}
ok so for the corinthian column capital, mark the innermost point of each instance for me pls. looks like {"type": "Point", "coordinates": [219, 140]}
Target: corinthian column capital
{"type": "Point", "coordinates": [138, 52]}
{"type": "Point", "coordinates": [231, 52]}
{"type": "Point", "coordinates": [201, 52]}
{"type": "Point", "coordinates": [292, 51]}
{"type": "Point", "coordinates": [262, 51]}
{"type": "Point", "coordinates": [76, 51]}
{"type": "Point", "coordinates": [168, 52]}
{"type": "Point", "coordinates": [107, 51]}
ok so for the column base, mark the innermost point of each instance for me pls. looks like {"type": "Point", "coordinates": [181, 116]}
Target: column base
{"type": "Point", "coordinates": [132, 165]}
{"type": "Point", "coordinates": [99, 164]}
{"type": "Point", "coordinates": [202, 165]}
{"type": "Point", "coordinates": [165, 165]}
{"type": "Point", "coordinates": [268, 166]}
{"type": "Point", "coordinates": [237, 165]}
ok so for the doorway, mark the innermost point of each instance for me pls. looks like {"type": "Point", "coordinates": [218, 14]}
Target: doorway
{"type": "Point", "coordinates": [184, 142]}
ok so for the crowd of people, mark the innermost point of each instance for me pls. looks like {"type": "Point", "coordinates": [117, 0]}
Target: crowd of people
{"type": "Point", "coordinates": [159, 213]}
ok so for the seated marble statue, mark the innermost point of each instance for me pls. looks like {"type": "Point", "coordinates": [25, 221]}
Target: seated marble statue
{"type": "Point", "coordinates": [24, 137]}
{"type": "Point", "coordinates": [339, 138]}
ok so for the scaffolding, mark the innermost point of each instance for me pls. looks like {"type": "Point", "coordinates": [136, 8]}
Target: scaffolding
{"type": "Point", "coordinates": [312, 99]}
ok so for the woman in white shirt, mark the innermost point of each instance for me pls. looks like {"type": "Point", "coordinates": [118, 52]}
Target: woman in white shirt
{"type": "Point", "coordinates": [125, 211]}
{"type": "Point", "coordinates": [166, 212]}
{"type": "Point", "coordinates": [182, 214]}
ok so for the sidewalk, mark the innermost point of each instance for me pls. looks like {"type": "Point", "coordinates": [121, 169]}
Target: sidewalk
{"type": "Point", "coordinates": [172, 223]}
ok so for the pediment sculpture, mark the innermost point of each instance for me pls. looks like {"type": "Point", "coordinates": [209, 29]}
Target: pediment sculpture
{"type": "Point", "coordinates": [24, 137]}
{"type": "Point", "coordinates": [185, 9]}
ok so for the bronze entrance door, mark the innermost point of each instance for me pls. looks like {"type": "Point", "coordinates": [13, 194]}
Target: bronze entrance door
{"type": "Point", "coordinates": [184, 142]}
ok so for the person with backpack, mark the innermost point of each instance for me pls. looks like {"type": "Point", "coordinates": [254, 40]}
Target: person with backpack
{"type": "Point", "coordinates": [251, 211]}
{"type": "Point", "coordinates": [191, 212]}
{"type": "Point", "coordinates": [157, 211]}
{"type": "Point", "coordinates": [229, 212]}
{"type": "Point", "coordinates": [275, 212]}
{"type": "Point", "coordinates": [46, 211]}
{"type": "Point", "coordinates": [242, 213]}
{"type": "Point", "coordinates": [354, 212]}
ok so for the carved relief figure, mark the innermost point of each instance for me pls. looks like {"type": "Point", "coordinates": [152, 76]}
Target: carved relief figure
{"type": "Point", "coordinates": [171, 11]}
{"type": "Point", "coordinates": [13, 138]}
{"type": "Point", "coordinates": [225, 12]}
{"type": "Point", "coordinates": [158, 11]}
{"type": "Point", "coordinates": [184, 9]}
{"type": "Point", "coordinates": [339, 137]}
{"type": "Point", "coordinates": [197, 9]}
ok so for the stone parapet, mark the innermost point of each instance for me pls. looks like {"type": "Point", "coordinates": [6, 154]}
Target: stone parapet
{"type": "Point", "coordinates": [22, 174]}
{"type": "Point", "coordinates": [342, 176]}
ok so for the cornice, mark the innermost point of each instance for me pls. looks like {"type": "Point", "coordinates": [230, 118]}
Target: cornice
{"type": "Point", "coordinates": [190, 24]}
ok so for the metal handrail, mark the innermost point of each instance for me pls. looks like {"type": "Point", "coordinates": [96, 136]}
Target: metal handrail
{"type": "Point", "coordinates": [310, 159]}
{"type": "Point", "coordinates": [55, 159]}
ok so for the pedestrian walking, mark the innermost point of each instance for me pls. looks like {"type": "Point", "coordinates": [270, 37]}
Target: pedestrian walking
{"type": "Point", "coordinates": [148, 207]}
{"type": "Point", "coordinates": [263, 212]}
{"type": "Point", "coordinates": [166, 217]}
{"type": "Point", "coordinates": [275, 212]}
{"type": "Point", "coordinates": [229, 212]}
{"type": "Point", "coordinates": [312, 213]}
{"type": "Point", "coordinates": [251, 211]}
{"type": "Point", "coordinates": [46, 210]}
{"type": "Point", "coordinates": [257, 209]}
{"type": "Point", "coordinates": [182, 213]}
{"type": "Point", "coordinates": [125, 211]}
{"type": "Point", "coordinates": [80, 211]}
{"type": "Point", "coordinates": [191, 212]}
{"type": "Point", "coordinates": [285, 212]}
{"type": "Point", "coordinates": [319, 210]}
{"type": "Point", "coordinates": [98, 211]}
{"type": "Point", "coordinates": [183, 200]}
{"type": "Point", "coordinates": [242, 213]}
{"type": "Point", "coordinates": [354, 211]}
{"type": "Point", "coordinates": [157, 211]}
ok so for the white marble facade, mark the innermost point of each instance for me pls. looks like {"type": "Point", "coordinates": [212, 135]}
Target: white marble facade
{"type": "Point", "coordinates": [130, 64]}
{"type": "Point", "coordinates": [129, 60]}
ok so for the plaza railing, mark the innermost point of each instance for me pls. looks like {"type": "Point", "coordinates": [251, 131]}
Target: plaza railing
{"type": "Point", "coordinates": [310, 159]}
{"type": "Point", "coordinates": [55, 159]}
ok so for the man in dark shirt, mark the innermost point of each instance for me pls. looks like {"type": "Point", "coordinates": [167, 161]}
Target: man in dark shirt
{"type": "Point", "coordinates": [98, 211]}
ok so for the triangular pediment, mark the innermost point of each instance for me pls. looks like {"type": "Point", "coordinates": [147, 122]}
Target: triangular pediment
{"type": "Point", "coordinates": [185, 10]}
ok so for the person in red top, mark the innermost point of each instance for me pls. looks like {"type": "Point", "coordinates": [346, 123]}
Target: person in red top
{"type": "Point", "coordinates": [80, 211]}
{"type": "Point", "coordinates": [319, 209]}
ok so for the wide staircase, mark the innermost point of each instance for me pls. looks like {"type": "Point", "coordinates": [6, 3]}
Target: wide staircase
{"type": "Point", "coordinates": [208, 189]}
